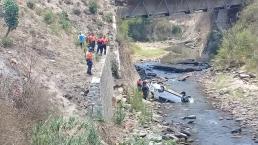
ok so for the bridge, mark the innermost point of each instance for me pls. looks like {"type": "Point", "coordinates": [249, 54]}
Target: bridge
{"type": "Point", "coordinates": [146, 8]}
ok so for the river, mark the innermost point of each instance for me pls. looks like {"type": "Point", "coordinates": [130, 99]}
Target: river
{"type": "Point", "coordinates": [211, 126]}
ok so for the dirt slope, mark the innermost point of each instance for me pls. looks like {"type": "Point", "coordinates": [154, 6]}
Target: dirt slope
{"type": "Point", "coordinates": [48, 54]}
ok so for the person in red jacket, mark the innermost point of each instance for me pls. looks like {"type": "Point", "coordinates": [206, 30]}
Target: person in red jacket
{"type": "Point", "coordinates": [105, 42]}
{"type": "Point", "coordinates": [92, 41]}
{"type": "Point", "coordinates": [100, 43]}
{"type": "Point", "coordinates": [89, 59]}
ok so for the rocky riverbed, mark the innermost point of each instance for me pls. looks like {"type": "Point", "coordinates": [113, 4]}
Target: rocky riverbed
{"type": "Point", "coordinates": [204, 123]}
{"type": "Point", "coordinates": [234, 92]}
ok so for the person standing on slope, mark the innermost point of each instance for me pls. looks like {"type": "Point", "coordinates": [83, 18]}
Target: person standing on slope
{"type": "Point", "coordinates": [82, 39]}
{"type": "Point", "coordinates": [92, 41]}
{"type": "Point", "coordinates": [89, 59]}
{"type": "Point", "coordinates": [105, 42]}
{"type": "Point", "coordinates": [145, 90]}
{"type": "Point", "coordinates": [100, 42]}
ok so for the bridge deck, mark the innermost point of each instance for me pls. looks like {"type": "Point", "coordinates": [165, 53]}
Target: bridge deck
{"type": "Point", "coordinates": [136, 8]}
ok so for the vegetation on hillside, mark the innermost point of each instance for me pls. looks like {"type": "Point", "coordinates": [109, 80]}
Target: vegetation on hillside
{"type": "Point", "coordinates": [56, 131]}
{"type": "Point", "coordinates": [239, 47]}
{"type": "Point", "coordinates": [11, 15]}
{"type": "Point", "coordinates": [144, 29]}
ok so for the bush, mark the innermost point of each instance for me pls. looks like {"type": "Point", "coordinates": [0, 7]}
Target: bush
{"type": "Point", "coordinates": [49, 17]}
{"type": "Point", "coordinates": [93, 7]}
{"type": "Point", "coordinates": [108, 18]}
{"type": "Point", "coordinates": [30, 4]}
{"type": "Point", "coordinates": [239, 44]}
{"type": "Point", "coordinates": [11, 15]}
{"type": "Point", "coordinates": [119, 115]}
{"type": "Point", "coordinates": [7, 42]}
{"type": "Point", "coordinates": [64, 21]}
{"type": "Point", "coordinates": [176, 30]}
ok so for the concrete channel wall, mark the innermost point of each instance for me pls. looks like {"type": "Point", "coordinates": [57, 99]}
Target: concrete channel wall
{"type": "Point", "coordinates": [101, 89]}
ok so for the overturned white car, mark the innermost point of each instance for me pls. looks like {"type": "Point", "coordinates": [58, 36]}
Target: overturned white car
{"type": "Point", "coordinates": [159, 92]}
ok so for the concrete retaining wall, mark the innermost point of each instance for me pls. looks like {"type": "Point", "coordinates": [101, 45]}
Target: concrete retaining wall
{"type": "Point", "coordinates": [101, 89]}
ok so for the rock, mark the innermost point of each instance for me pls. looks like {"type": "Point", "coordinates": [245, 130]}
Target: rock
{"type": "Point", "coordinates": [186, 132]}
{"type": "Point", "coordinates": [151, 74]}
{"type": "Point", "coordinates": [13, 61]}
{"type": "Point", "coordinates": [142, 133]}
{"type": "Point", "coordinates": [235, 131]}
{"type": "Point", "coordinates": [156, 118]}
{"type": "Point", "coordinates": [121, 90]}
{"type": "Point", "coordinates": [68, 2]}
{"type": "Point", "coordinates": [82, 93]}
{"type": "Point", "coordinates": [181, 135]}
{"type": "Point", "coordinates": [154, 137]}
{"type": "Point", "coordinates": [170, 129]}
{"type": "Point", "coordinates": [68, 96]}
{"type": "Point", "coordinates": [189, 117]}
{"type": "Point", "coordinates": [239, 119]}
{"type": "Point", "coordinates": [77, 12]}
{"type": "Point", "coordinates": [165, 123]}
{"type": "Point", "coordinates": [169, 137]}
{"type": "Point", "coordinates": [190, 122]}
{"type": "Point", "coordinates": [183, 78]}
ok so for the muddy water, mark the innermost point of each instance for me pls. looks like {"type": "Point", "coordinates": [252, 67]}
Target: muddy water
{"type": "Point", "coordinates": [211, 127]}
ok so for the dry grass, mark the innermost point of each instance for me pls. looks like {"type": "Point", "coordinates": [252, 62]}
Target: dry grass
{"type": "Point", "coordinates": [22, 106]}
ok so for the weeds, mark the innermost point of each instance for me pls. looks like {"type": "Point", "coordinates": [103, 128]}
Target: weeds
{"type": "Point", "coordinates": [139, 106]}
{"type": "Point", "coordinates": [7, 42]}
{"type": "Point", "coordinates": [70, 131]}
{"type": "Point", "coordinates": [136, 100]}
{"type": "Point", "coordinates": [239, 45]}
{"type": "Point", "coordinates": [49, 17]}
{"type": "Point", "coordinates": [146, 115]}
{"type": "Point", "coordinates": [64, 21]}
{"type": "Point", "coordinates": [119, 115]}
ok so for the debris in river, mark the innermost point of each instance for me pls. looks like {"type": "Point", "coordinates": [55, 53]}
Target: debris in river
{"type": "Point", "coordinates": [237, 131]}
{"type": "Point", "coordinates": [189, 117]}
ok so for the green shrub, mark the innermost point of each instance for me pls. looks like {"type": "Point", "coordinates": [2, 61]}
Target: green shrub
{"type": "Point", "coordinates": [176, 30]}
{"type": "Point", "coordinates": [144, 29]}
{"type": "Point", "coordinates": [7, 42]}
{"type": "Point", "coordinates": [239, 44]}
{"type": "Point", "coordinates": [56, 131]}
{"type": "Point", "coordinates": [119, 115]}
{"type": "Point", "coordinates": [136, 100]}
{"type": "Point", "coordinates": [64, 21]}
{"type": "Point", "coordinates": [49, 17]}
{"type": "Point", "coordinates": [108, 17]}
{"type": "Point", "coordinates": [93, 7]}
{"type": "Point", "coordinates": [11, 15]}
{"type": "Point", "coordinates": [30, 4]}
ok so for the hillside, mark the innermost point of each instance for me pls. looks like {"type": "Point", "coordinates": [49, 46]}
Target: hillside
{"type": "Point", "coordinates": [42, 69]}
{"type": "Point", "coordinates": [232, 84]}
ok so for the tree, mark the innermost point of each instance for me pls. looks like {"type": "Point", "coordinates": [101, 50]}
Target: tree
{"type": "Point", "coordinates": [11, 15]}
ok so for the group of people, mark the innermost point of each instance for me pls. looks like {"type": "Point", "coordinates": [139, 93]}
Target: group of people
{"type": "Point", "coordinates": [142, 86]}
{"type": "Point", "coordinates": [90, 42]}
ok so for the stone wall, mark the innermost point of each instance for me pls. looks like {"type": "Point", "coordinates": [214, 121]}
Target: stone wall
{"type": "Point", "coordinates": [101, 89]}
